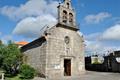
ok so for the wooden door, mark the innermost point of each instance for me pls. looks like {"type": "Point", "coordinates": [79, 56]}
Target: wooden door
{"type": "Point", "coordinates": [67, 67]}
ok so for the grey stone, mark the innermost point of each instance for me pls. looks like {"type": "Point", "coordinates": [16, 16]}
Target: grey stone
{"type": "Point", "coordinates": [48, 53]}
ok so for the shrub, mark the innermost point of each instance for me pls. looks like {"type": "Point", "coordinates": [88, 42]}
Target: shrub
{"type": "Point", "coordinates": [27, 72]}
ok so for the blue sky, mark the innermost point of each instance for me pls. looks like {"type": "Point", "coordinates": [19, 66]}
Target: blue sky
{"type": "Point", "coordinates": [99, 21]}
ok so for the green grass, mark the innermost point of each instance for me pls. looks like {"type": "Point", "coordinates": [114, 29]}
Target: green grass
{"type": "Point", "coordinates": [16, 78]}
{"type": "Point", "coordinates": [13, 78]}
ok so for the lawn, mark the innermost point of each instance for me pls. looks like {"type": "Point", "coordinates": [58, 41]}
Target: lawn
{"type": "Point", "coordinates": [13, 78]}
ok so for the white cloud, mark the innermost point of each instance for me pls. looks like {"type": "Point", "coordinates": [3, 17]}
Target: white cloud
{"type": "Point", "coordinates": [93, 45]}
{"type": "Point", "coordinates": [112, 33]}
{"type": "Point", "coordinates": [93, 36]}
{"type": "Point", "coordinates": [31, 27]}
{"type": "Point", "coordinates": [96, 18]}
{"type": "Point", "coordinates": [30, 8]}
{"type": "Point", "coordinates": [98, 47]}
{"type": "Point", "coordinates": [32, 16]}
{"type": "Point", "coordinates": [103, 42]}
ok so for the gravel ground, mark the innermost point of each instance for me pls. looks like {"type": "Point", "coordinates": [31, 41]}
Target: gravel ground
{"type": "Point", "coordinates": [91, 76]}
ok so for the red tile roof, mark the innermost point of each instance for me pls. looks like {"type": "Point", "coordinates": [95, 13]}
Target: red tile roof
{"type": "Point", "coordinates": [22, 43]}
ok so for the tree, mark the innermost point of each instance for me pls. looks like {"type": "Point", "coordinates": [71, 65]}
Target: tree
{"type": "Point", "coordinates": [2, 53]}
{"type": "Point", "coordinates": [12, 59]}
{"type": "Point", "coordinates": [0, 42]}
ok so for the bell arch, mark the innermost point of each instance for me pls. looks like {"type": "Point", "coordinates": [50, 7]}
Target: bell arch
{"type": "Point", "coordinates": [64, 16]}
{"type": "Point", "coordinates": [68, 5]}
{"type": "Point", "coordinates": [71, 18]}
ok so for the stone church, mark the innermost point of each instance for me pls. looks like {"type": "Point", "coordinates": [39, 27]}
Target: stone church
{"type": "Point", "coordinates": [59, 52]}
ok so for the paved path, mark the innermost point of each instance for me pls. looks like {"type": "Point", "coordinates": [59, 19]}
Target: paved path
{"type": "Point", "coordinates": [92, 76]}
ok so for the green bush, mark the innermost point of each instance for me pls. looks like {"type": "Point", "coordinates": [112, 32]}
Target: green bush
{"type": "Point", "coordinates": [27, 72]}
{"type": "Point", "coordinates": [96, 63]}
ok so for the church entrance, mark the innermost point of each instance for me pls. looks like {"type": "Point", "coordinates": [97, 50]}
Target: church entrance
{"type": "Point", "coordinates": [67, 67]}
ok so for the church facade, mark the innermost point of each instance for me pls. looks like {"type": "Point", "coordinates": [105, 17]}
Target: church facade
{"type": "Point", "coordinates": [60, 51]}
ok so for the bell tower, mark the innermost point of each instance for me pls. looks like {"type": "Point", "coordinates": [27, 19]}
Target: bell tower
{"type": "Point", "coordinates": [66, 15]}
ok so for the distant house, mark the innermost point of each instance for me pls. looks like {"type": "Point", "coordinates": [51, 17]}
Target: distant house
{"type": "Point", "coordinates": [21, 43]}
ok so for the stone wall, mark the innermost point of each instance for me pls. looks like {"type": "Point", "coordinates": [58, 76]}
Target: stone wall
{"type": "Point", "coordinates": [57, 51]}
{"type": "Point", "coordinates": [48, 57]}
{"type": "Point", "coordinates": [36, 57]}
